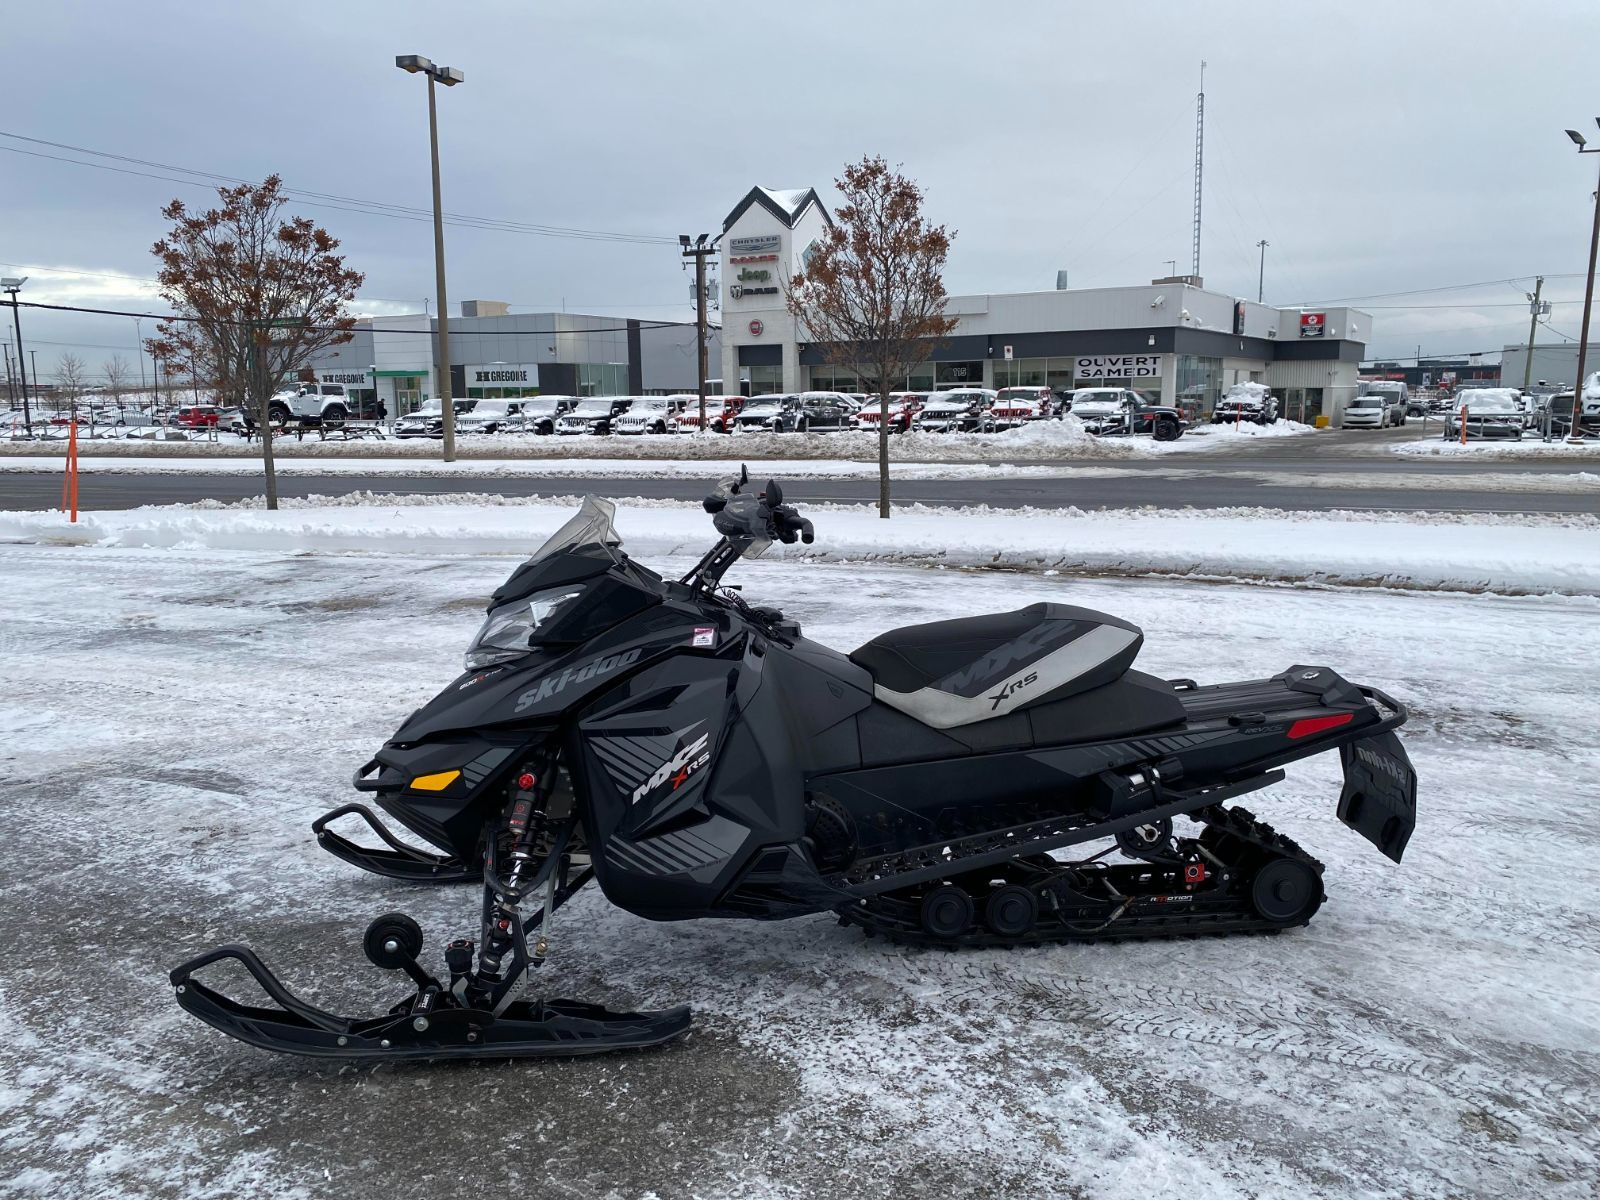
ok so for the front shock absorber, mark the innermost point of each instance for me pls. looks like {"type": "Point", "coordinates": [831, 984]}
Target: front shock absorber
{"type": "Point", "coordinates": [527, 822]}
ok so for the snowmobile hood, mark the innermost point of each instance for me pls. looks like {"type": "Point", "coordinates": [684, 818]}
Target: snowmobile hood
{"type": "Point", "coordinates": [540, 687]}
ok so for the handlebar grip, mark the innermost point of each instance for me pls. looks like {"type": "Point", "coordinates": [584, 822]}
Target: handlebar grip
{"type": "Point", "coordinates": [807, 534]}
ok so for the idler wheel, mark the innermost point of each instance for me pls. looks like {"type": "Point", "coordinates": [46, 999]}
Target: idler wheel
{"type": "Point", "coordinates": [392, 940]}
{"type": "Point", "coordinates": [946, 912]}
{"type": "Point", "coordinates": [1286, 891]}
{"type": "Point", "coordinates": [1010, 911]}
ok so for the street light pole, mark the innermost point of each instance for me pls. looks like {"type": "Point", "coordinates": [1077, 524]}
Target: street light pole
{"type": "Point", "coordinates": [138, 350]}
{"type": "Point", "coordinates": [448, 76]}
{"type": "Point", "coordinates": [1261, 279]}
{"type": "Point", "coordinates": [1575, 433]}
{"type": "Point", "coordinates": [12, 287]}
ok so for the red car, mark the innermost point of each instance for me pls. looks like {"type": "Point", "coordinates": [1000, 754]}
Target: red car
{"type": "Point", "coordinates": [720, 411]}
{"type": "Point", "coordinates": [198, 416]}
{"type": "Point", "coordinates": [903, 406]}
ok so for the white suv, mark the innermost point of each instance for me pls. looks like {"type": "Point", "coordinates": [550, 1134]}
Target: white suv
{"type": "Point", "coordinates": [325, 402]}
{"type": "Point", "coordinates": [652, 414]}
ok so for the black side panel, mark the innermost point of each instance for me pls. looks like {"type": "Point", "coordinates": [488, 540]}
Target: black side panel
{"type": "Point", "coordinates": [888, 736]}
{"type": "Point", "coordinates": [1133, 704]}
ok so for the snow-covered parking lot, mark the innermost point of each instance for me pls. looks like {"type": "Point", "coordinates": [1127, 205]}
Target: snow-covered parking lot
{"type": "Point", "coordinates": [173, 717]}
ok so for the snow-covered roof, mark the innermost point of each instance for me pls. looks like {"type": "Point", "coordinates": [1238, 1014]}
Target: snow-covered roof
{"type": "Point", "coordinates": [787, 204]}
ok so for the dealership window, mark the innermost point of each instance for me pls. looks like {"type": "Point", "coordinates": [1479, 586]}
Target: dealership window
{"type": "Point", "coordinates": [833, 379]}
{"type": "Point", "coordinates": [407, 394]}
{"type": "Point", "coordinates": [602, 379]}
{"type": "Point", "coordinates": [970, 373]}
{"type": "Point", "coordinates": [764, 380]}
{"type": "Point", "coordinates": [1025, 372]}
{"type": "Point", "coordinates": [1200, 380]}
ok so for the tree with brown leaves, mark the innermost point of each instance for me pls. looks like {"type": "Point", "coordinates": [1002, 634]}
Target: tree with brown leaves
{"type": "Point", "coordinates": [257, 295]}
{"type": "Point", "coordinates": [872, 294]}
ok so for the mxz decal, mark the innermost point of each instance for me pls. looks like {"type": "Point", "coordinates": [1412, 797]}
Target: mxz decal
{"type": "Point", "coordinates": [554, 684]}
{"type": "Point", "coordinates": [678, 768]}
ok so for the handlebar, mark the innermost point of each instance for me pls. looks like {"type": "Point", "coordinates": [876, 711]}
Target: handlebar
{"type": "Point", "coordinates": [765, 516]}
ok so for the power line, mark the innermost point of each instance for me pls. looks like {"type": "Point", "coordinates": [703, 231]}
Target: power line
{"type": "Point", "coordinates": [377, 208]}
{"type": "Point", "coordinates": [1454, 287]}
{"type": "Point", "coordinates": [117, 312]}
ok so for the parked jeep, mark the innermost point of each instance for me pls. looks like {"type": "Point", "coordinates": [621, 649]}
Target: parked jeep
{"type": "Point", "coordinates": [1123, 411]}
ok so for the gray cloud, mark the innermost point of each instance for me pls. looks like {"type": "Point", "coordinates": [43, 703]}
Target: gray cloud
{"type": "Point", "coordinates": [1378, 147]}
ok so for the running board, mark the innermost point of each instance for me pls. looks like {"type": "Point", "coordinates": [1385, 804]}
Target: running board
{"type": "Point", "coordinates": [920, 864]}
{"type": "Point", "coordinates": [400, 861]}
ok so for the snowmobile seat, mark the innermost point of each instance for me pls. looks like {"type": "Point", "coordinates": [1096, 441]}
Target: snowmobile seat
{"type": "Point", "coordinates": [951, 673]}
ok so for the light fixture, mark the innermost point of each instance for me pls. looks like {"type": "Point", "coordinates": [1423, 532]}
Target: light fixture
{"type": "Point", "coordinates": [413, 63]}
{"type": "Point", "coordinates": [1152, 340]}
{"type": "Point", "coordinates": [1578, 138]}
{"type": "Point", "coordinates": [683, 240]}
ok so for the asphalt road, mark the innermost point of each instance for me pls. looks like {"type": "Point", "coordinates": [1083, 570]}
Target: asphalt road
{"type": "Point", "coordinates": [1366, 477]}
{"type": "Point", "coordinates": [1222, 489]}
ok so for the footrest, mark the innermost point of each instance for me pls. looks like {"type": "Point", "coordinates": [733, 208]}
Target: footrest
{"type": "Point", "coordinates": [524, 1029]}
{"type": "Point", "coordinates": [399, 861]}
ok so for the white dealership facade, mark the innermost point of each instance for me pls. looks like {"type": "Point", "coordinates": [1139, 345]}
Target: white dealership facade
{"type": "Point", "coordinates": [1172, 338]}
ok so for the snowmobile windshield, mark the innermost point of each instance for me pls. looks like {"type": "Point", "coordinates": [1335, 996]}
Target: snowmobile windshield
{"type": "Point", "coordinates": [594, 524]}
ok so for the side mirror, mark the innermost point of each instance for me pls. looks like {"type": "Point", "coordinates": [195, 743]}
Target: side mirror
{"type": "Point", "coordinates": [774, 494]}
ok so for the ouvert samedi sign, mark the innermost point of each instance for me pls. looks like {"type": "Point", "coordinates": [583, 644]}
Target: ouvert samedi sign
{"type": "Point", "coordinates": [1118, 366]}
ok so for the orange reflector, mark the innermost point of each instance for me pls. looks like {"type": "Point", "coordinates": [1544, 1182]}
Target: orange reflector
{"type": "Point", "coordinates": [434, 783]}
{"type": "Point", "coordinates": [1310, 725]}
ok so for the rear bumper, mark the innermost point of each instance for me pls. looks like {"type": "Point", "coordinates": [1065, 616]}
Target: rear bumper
{"type": "Point", "coordinates": [1305, 711]}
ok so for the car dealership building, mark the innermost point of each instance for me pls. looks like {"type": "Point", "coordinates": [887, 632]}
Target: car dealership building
{"type": "Point", "coordinates": [496, 353]}
{"type": "Point", "coordinates": [1171, 338]}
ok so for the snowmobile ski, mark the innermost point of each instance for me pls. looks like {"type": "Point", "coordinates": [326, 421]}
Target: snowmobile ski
{"type": "Point", "coordinates": [431, 1024]}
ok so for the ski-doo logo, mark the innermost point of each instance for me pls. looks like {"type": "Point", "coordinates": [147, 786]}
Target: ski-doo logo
{"type": "Point", "coordinates": [678, 768]}
{"type": "Point", "coordinates": [1381, 762]}
{"type": "Point", "coordinates": [555, 684]}
{"type": "Point", "coordinates": [1012, 688]}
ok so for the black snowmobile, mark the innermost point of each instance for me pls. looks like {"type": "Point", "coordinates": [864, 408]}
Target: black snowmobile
{"type": "Point", "coordinates": [699, 757]}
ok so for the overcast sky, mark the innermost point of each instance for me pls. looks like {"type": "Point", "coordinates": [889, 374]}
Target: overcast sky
{"type": "Point", "coordinates": [1379, 147]}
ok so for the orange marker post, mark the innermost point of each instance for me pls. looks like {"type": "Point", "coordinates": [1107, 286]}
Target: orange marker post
{"type": "Point", "coordinates": [69, 477]}
{"type": "Point", "coordinates": [1463, 424]}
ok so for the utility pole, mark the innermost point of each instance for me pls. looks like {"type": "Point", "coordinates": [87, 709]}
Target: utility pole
{"type": "Point", "coordinates": [13, 286]}
{"type": "Point", "coordinates": [1261, 279]}
{"type": "Point", "coordinates": [700, 250]}
{"type": "Point", "coordinates": [1536, 309]}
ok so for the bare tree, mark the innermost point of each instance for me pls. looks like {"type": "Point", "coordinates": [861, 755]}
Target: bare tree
{"type": "Point", "coordinates": [115, 369]}
{"type": "Point", "coordinates": [872, 294]}
{"type": "Point", "coordinates": [257, 296]}
{"type": "Point", "coordinates": [72, 376]}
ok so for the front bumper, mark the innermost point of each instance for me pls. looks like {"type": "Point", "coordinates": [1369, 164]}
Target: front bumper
{"type": "Point", "coordinates": [1477, 429]}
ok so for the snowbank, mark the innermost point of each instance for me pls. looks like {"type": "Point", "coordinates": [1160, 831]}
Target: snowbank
{"type": "Point", "coordinates": [1523, 556]}
{"type": "Point", "coordinates": [1530, 447]}
{"type": "Point", "coordinates": [504, 468]}
{"type": "Point", "coordinates": [1065, 439]}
